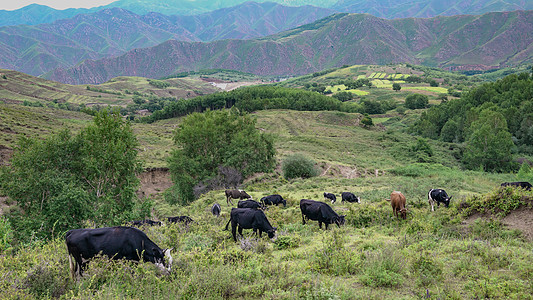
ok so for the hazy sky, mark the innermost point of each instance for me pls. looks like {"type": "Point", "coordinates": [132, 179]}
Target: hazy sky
{"type": "Point", "coordinates": [57, 4]}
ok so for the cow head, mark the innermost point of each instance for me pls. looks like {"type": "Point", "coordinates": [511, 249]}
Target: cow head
{"type": "Point", "coordinates": [272, 232]}
{"type": "Point", "coordinates": [340, 220]}
{"type": "Point", "coordinates": [358, 199]}
{"type": "Point", "coordinates": [164, 261]}
{"type": "Point", "coordinates": [447, 201]}
{"type": "Point", "coordinates": [284, 203]}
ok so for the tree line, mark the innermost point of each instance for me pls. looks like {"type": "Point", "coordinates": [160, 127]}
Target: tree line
{"type": "Point", "coordinates": [253, 99]}
{"type": "Point", "coordinates": [492, 120]}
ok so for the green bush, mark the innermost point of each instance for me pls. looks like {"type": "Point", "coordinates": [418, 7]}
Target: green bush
{"type": "Point", "coordinates": [286, 242]}
{"type": "Point", "coordinates": [416, 101]}
{"type": "Point", "coordinates": [298, 165]}
{"type": "Point", "coordinates": [383, 269]}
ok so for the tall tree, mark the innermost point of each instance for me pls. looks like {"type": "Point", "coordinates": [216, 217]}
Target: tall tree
{"type": "Point", "coordinates": [489, 144]}
{"type": "Point", "coordinates": [217, 138]}
{"type": "Point", "coordinates": [64, 180]}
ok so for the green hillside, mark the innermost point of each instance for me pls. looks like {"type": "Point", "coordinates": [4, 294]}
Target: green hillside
{"type": "Point", "coordinates": [479, 247]}
{"type": "Point", "coordinates": [440, 254]}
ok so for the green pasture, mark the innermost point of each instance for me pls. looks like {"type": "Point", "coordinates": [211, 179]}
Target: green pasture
{"type": "Point", "coordinates": [439, 90]}
{"type": "Point", "coordinates": [342, 88]}
{"type": "Point", "coordinates": [442, 254]}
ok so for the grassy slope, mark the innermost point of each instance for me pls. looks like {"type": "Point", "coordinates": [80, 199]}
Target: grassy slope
{"type": "Point", "coordinates": [17, 87]}
{"type": "Point", "coordinates": [372, 256]}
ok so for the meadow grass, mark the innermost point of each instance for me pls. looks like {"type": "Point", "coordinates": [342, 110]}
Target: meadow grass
{"type": "Point", "coordinates": [441, 254]}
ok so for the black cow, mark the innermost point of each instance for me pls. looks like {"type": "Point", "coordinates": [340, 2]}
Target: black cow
{"type": "Point", "coordinates": [215, 209]}
{"type": "Point", "coordinates": [438, 196]}
{"type": "Point", "coordinates": [321, 212]}
{"type": "Point", "coordinates": [145, 222]}
{"type": "Point", "coordinates": [236, 194]}
{"type": "Point", "coordinates": [522, 184]}
{"type": "Point", "coordinates": [180, 219]}
{"type": "Point", "coordinates": [115, 242]}
{"type": "Point", "coordinates": [247, 218]}
{"type": "Point", "coordinates": [274, 200]}
{"type": "Point", "coordinates": [331, 197]}
{"type": "Point", "coordinates": [249, 204]}
{"type": "Point", "coordinates": [349, 197]}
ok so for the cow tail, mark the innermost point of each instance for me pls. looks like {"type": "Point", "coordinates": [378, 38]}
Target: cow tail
{"type": "Point", "coordinates": [73, 266]}
{"type": "Point", "coordinates": [227, 224]}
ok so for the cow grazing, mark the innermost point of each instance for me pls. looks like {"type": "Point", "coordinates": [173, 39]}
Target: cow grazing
{"type": "Point", "coordinates": [145, 222]}
{"type": "Point", "coordinates": [321, 212]}
{"type": "Point", "coordinates": [331, 197]}
{"type": "Point", "coordinates": [397, 201]}
{"type": "Point", "coordinates": [247, 218]}
{"type": "Point", "coordinates": [215, 209]}
{"type": "Point", "coordinates": [114, 242]}
{"type": "Point", "coordinates": [438, 196]}
{"type": "Point", "coordinates": [273, 200]}
{"type": "Point", "coordinates": [180, 219]}
{"type": "Point", "coordinates": [349, 197]}
{"type": "Point", "coordinates": [236, 194]}
{"type": "Point", "coordinates": [522, 184]}
{"type": "Point", "coordinates": [249, 204]}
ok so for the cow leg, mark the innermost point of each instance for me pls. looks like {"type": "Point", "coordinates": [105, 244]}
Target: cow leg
{"type": "Point", "coordinates": [326, 226]}
{"type": "Point", "coordinates": [240, 231]}
{"type": "Point", "coordinates": [431, 203]}
{"type": "Point", "coordinates": [320, 225]}
{"type": "Point", "coordinates": [234, 231]}
{"type": "Point", "coordinates": [303, 219]}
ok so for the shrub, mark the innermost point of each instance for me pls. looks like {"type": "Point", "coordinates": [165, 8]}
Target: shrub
{"type": "Point", "coordinates": [286, 242]}
{"type": "Point", "coordinates": [416, 101]}
{"type": "Point", "coordinates": [298, 165]}
{"type": "Point", "coordinates": [383, 269]}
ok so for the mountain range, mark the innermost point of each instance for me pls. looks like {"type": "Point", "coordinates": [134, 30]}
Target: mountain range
{"type": "Point", "coordinates": [389, 9]}
{"type": "Point", "coordinates": [488, 41]}
{"type": "Point", "coordinates": [37, 49]}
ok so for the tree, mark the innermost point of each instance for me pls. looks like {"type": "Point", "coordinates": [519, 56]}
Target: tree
{"type": "Point", "coordinates": [416, 101]}
{"type": "Point", "coordinates": [433, 83]}
{"type": "Point", "coordinates": [64, 180]}
{"type": "Point", "coordinates": [489, 144]}
{"type": "Point", "coordinates": [396, 86]}
{"type": "Point", "coordinates": [217, 138]}
{"type": "Point", "coordinates": [343, 96]}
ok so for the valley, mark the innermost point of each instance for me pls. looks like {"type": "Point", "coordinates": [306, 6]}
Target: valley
{"type": "Point", "coordinates": [147, 113]}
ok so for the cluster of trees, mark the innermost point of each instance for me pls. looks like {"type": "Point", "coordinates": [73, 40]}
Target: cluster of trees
{"type": "Point", "coordinates": [215, 148]}
{"type": "Point", "coordinates": [253, 99]}
{"type": "Point", "coordinates": [491, 119]}
{"type": "Point", "coordinates": [65, 180]}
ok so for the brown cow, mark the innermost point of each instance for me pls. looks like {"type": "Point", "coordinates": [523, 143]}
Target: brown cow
{"type": "Point", "coordinates": [236, 194]}
{"type": "Point", "coordinates": [397, 201]}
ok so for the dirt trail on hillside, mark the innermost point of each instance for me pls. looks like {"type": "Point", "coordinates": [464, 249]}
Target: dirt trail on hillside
{"type": "Point", "coordinates": [154, 181]}
{"type": "Point", "coordinates": [521, 219]}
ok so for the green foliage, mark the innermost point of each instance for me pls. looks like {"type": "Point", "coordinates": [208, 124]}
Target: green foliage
{"type": "Point", "coordinates": [383, 269]}
{"type": "Point", "coordinates": [6, 235]}
{"type": "Point", "coordinates": [343, 96]}
{"type": "Point", "coordinates": [298, 165]}
{"type": "Point", "coordinates": [416, 101]}
{"type": "Point", "coordinates": [396, 86]}
{"type": "Point", "coordinates": [511, 96]}
{"type": "Point", "coordinates": [251, 99]}
{"type": "Point", "coordinates": [422, 151]}
{"type": "Point", "coordinates": [213, 139]}
{"type": "Point", "coordinates": [489, 145]}
{"type": "Point", "coordinates": [367, 121]}
{"type": "Point", "coordinates": [426, 268]}
{"type": "Point", "coordinates": [158, 83]}
{"type": "Point", "coordinates": [64, 180]}
{"type": "Point", "coordinates": [499, 202]}
{"type": "Point", "coordinates": [287, 242]}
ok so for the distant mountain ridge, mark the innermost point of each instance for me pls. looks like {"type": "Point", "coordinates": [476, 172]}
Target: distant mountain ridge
{"type": "Point", "coordinates": [392, 9]}
{"type": "Point", "coordinates": [461, 42]}
{"type": "Point", "coordinates": [389, 9]}
{"type": "Point", "coordinates": [37, 49]}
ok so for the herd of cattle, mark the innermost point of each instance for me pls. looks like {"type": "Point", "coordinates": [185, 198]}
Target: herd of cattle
{"type": "Point", "coordinates": [130, 243]}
